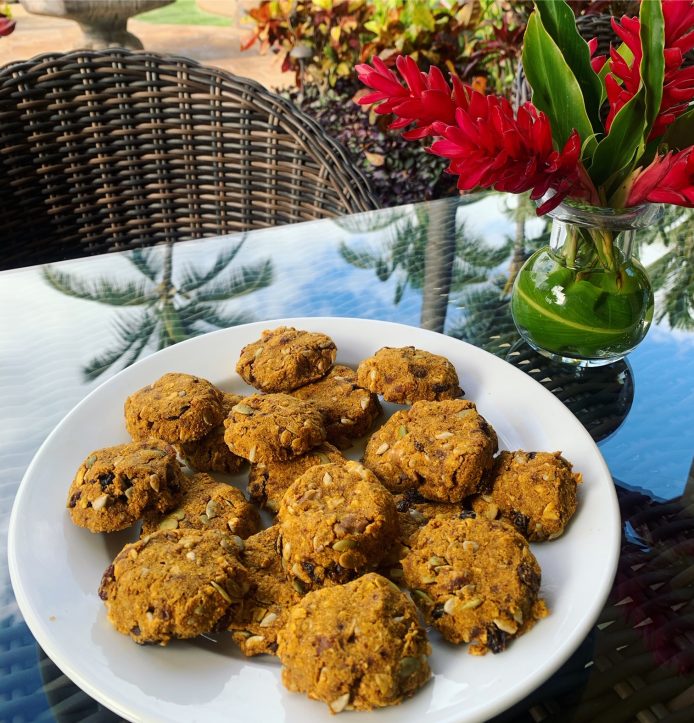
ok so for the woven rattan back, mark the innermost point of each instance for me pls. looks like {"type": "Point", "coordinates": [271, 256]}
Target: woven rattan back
{"type": "Point", "coordinates": [105, 150]}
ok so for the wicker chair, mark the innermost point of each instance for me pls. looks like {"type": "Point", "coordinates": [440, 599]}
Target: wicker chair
{"type": "Point", "coordinates": [107, 150]}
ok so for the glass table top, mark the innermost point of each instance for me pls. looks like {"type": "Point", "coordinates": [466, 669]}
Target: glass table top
{"type": "Point", "coordinates": [444, 265]}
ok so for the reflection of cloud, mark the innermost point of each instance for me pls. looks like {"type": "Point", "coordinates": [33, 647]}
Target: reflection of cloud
{"type": "Point", "coordinates": [662, 333]}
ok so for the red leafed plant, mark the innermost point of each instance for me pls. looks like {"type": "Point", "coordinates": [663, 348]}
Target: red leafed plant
{"type": "Point", "coordinates": [558, 145]}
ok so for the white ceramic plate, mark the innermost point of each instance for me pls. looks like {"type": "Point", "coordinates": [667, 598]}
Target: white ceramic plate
{"type": "Point", "coordinates": [56, 567]}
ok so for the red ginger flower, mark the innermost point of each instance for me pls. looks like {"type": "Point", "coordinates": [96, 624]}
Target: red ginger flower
{"type": "Point", "coordinates": [487, 146]}
{"type": "Point", "coordinates": [668, 179]}
{"type": "Point", "coordinates": [678, 84]}
{"type": "Point", "coordinates": [490, 148]}
{"type": "Point", "coordinates": [426, 98]}
{"type": "Point", "coordinates": [6, 25]}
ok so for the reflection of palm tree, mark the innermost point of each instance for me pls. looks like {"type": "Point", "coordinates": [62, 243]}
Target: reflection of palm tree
{"type": "Point", "coordinates": [673, 272]}
{"type": "Point", "coordinates": [170, 312]}
{"type": "Point", "coordinates": [403, 254]}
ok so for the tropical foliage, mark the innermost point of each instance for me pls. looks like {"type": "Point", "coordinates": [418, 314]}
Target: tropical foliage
{"type": "Point", "coordinates": [170, 307]}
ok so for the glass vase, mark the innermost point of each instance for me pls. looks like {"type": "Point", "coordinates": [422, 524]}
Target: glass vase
{"type": "Point", "coordinates": [586, 299]}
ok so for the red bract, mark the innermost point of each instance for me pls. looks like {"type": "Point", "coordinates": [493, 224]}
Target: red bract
{"type": "Point", "coordinates": [6, 25]}
{"type": "Point", "coordinates": [425, 98]}
{"type": "Point", "coordinates": [669, 179]}
{"type": "Point", "coordinates": [490, 148]}
{"type": "Point", "coordinates": [623, 81]}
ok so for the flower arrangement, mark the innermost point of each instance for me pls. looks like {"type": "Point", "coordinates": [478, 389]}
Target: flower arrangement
{"type": "Point", "coordinates": [612, 134]}
{"type": "Point", "coordinates": [560, 144]}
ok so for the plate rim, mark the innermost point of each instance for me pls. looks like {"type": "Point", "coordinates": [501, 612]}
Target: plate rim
{"type": "Point", "coordinates": [41, 631]}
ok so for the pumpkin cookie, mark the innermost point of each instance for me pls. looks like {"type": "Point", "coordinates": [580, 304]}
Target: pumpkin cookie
{"type": "Point", "coordinates": [211, 453]}
{"type": "Point", "coordinates": [534, 491]}
{"type": "Point", "coordinates": [115, 486]}
{"type": "Point", "coordinates": [413, 513]}
{"type": "Point", "coordinates": [175, 408]}
{"type": "Point", "coordinates": [356, 646]}
{"type": "Point", "coordinates": [286, 358]}
{"type": "Point", "coordinates": [273, 427]}
{"type": "Point", "coordinates": [268, 481]}
{"type": "Point", "coordinates": [475, 580]}
{"type": "Point", "coordinates": [336, 522]}
{"type": "Point", "coordinates": [348, 410]}
{"type": "Point", "coordinates": [441, 449]}
{"type": "Point", "coordinates": [174, 584]}
{"type": "Point", "coordinates": [264, 611]}
{"type": "Point", "coordinates": [207, 505]}
{"type": "Point", "coordinates": [405, 375]}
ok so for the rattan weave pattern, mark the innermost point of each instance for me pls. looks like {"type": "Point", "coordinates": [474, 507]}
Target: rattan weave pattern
{"type": "Point", "coordinates": [105, 150]}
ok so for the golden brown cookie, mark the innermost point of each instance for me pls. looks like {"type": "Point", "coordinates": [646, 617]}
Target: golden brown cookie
{"type": "Point", "coordinates": [268, 481]}
{"type": "Point", "coordinates": [273, 427]}
{"type": "Point", "coordinates": [475, 580]}
{"type": "Point", "coordinates": [174, 584]}
{"type": "Point", "coordinates": [211, 453]}
{"type": "Point", "coordinates": [348, 410]}
{"type": "Point", "coordinates": [336, 522]}
{"type": "Point", "coordinates": [115, 486]}
{"type": "Point", "coordinates": [404, 375]}
{"type": "Point", "coordinates": [175, 408]}
{"type": "Point", "coordinates": [357, 646]}
{"type": "Point", "coordinates": [534, 491]}
{"type": "Point", "coordinates": [256, 622]}
{"type": "Point", "coordinates": [207, 505]}
{"type": "Point", "coordinates": [440, 449]}
{"type": "Point", "coordinates": [413, 513]}
{"type": "Point", "coordinates": [286, 358]}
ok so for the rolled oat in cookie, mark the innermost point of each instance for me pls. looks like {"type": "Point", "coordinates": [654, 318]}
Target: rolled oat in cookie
{"type": "Point", "coordinates": [174, 584]}
{"type": "Point", "coordinates": [404, 375]}
{"type": "Point", "coordinates": [475, 580]}
{"type": "Point", "coordinates": [440, 449]}
{"type": "Point", "coordinates": [286, 358]}
{"type": "Point", "coordinates": [336, 523]}
{"type": "Point", "coordinates": [357, 646]}
{"type": "Point", "coordinates": [534, 491]}
{"type": "Point", "coordinates": [115, 486]}
{"type": "Point", "coordinates": [273, 427]}
{"type": "Point", "coordinates": [207, 505]}
{"type": "Point", "coordinates": [175, 408]}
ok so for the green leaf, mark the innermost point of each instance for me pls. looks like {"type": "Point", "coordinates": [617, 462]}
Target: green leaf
{"type": "Point", "coordinates": [103, 291]}
{"type": "Point", "coordinates": [422, 16]}
{"type": "Point", "coordinates": [653, 60]}
{"type": "Point", "coordinates": [560, 23]}
{"type": "Point", "coordinates": [555, 88]}
{"type": "Point", "coordinates": [619, 152]}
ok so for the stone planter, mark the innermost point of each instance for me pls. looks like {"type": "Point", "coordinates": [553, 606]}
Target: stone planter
{"type": "Point", "coordinates": [103, 22]}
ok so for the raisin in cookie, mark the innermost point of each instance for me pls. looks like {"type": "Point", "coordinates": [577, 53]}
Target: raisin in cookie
{"type": "Point", "coordinates": [115, 486]}
{"type": "Point", "coordinates": [405, 375]}
{"type": "Point", "coordinates": [336, 522]}
{"type": "Point", "coordinates": [269, 427]}
{"type": "Point", "coordinates": [175, 408]}
{"type": "Point", "coordinates": [475, 580]}
{"type": "Point", "coordinates": [174, 584]}
{"type": "Point", "coordinates": [286, 358]}
{"type": "Point", "coordinates": [268, 481]}
{"type": "Point", "coordinates": [256, 622]}
{"type": "Point", "coordinates": [207, 505]}
{"type": "Point", "coordinates": [534, 491]}
{"type": "Point", "coordinates": [441, 449]}
{"type": "Point", "coordinates": [357, 646]}
{"type": "Point", "coordinates": [211, 453]}
{"type": "Point", "coordinates": [348, 410]}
